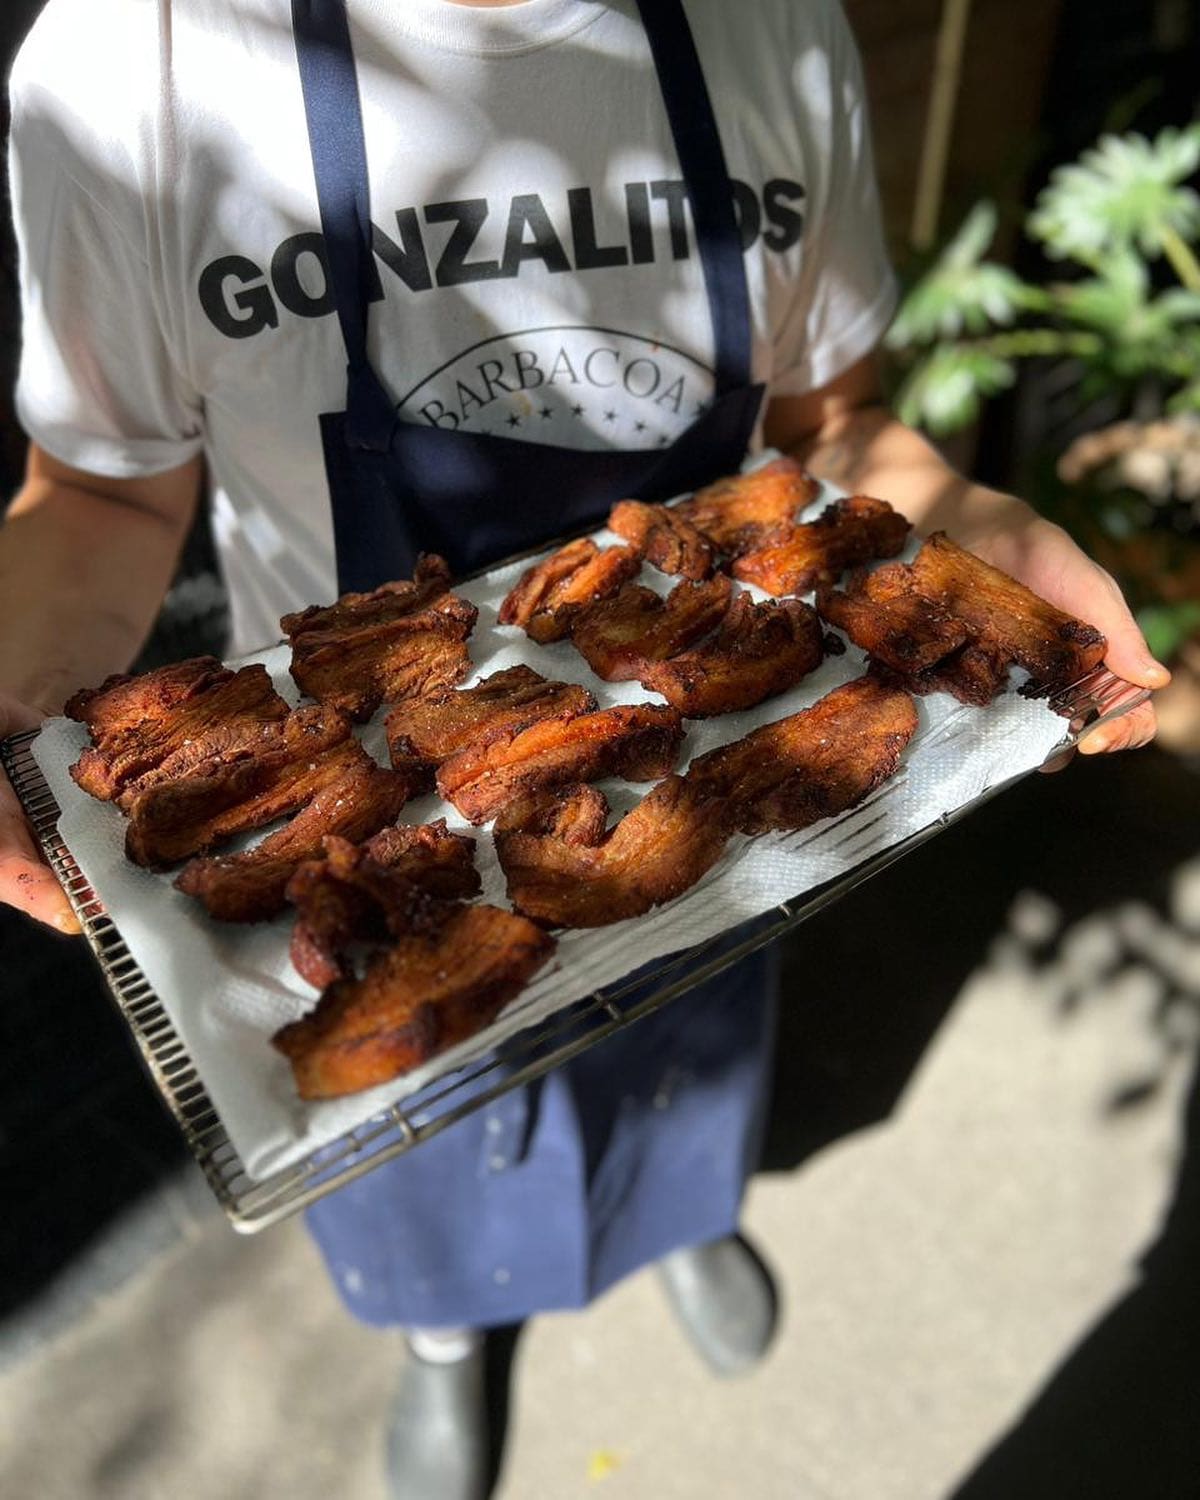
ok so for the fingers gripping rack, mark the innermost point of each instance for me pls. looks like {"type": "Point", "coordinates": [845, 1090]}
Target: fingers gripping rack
{"type": "Point", "coordinates": [1096, 699]}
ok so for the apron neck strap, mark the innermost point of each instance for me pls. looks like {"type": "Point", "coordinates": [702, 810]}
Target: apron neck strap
{"type": "Point", "coordinates": [334, 116]}
{"type": "Point", "coordinates": [710, 192]}
{"type": "Point", "coordinates": [333, 113]}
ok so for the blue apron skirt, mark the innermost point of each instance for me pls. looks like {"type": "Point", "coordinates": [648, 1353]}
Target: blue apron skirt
{"type": "Point", "coordinates": [643, 1144]}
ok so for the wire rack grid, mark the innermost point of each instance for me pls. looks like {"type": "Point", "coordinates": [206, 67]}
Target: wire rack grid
{"type": "Point", "coordinates": [252, 1205]}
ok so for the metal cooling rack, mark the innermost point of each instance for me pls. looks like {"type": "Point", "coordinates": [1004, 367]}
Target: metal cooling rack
{"type": "Point", "coordinates": [252, 1204]}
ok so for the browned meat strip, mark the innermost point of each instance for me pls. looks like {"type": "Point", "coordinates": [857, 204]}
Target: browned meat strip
{"type": "Point", "coordinates": [357, 668]}
{"type": "Point", "coordinates": [736, 513]}
{"type": "Point", "coordinates": [251, 887]}
{"type": "Point", "coordinates": [847, 533]}
{"type": "Point", "coordinates": [391, 601]}
{"type": "Point", "coordinates": [638, 741]}
{"type": "Point", "coordinates": [1005, 617]}
{"type": "Point", "coordinates": [549, 596]}
{"type": "Point", "coordinates": [429, 991]}
{"type": "Point", "coordinates": [397, 882]}
{"type": "Point", "coordinates": [813, 764]}
{"type": "Point", "coordinates": [238, 713]}
{"type": "Point", "coordinates": [663, 537]}
{"type": "Point", "coordinates": [566, 869]}
{"type": "Point", "coordinates": [220, 798]}
{"type": "Point", "coordinates": [952, 623]}
{"type": "Point", "coordinates": [759, 650]}
{"type": "Point", "coordinates": [617, 638]}
{"type": "Point", "coordinates": [425, 731]}
{"type": "Point", "coordinates": [122, 702]}
{"type": "Point", "coordinates": [884, 614]}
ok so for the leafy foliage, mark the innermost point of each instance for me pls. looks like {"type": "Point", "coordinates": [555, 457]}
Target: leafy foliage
{"type": "Point", "coordinates": [962, 292]}
{"type": "Point", "coordinates": [1167, 626]}
{"type": "Point", "coordinates": [946, 390]}
{"type": "Point", "coordinates": [967, 322]}
{"type": "Point", "coordinates": [1127, 191]}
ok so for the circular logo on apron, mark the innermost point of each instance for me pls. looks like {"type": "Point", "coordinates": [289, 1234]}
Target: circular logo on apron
{"type": "Point", "coordinates": [580, 387]}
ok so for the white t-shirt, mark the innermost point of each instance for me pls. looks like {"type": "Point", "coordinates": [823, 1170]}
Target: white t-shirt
{"type": "Point", "coordinates": [537, 270]}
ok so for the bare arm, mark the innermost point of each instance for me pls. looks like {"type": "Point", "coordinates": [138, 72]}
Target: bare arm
{"type": "Point", "coordinates": [845, 434]}
{"type": "Point", "coordinates": [84, 564]}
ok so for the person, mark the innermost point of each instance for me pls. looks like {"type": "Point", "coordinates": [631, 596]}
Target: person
{"type": "Point", "coordinates": [383, 276]}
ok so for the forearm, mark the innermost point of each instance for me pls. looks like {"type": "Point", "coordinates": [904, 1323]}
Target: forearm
{"type": "Point", "coordinates": [82, 577]}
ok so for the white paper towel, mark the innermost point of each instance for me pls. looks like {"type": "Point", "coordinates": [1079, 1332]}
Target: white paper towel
{"type": "Point", "coordinates": [228, 988]}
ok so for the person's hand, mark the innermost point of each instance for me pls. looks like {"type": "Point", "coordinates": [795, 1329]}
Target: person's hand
{"type": "Point", "coordinates": [1044, 558]}
{"type": "Point", "coordinates": [25, 882]}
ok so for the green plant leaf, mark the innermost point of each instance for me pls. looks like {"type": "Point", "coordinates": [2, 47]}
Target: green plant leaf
{"type": "Point", "coordinates": [1178, 307]}
{"type": "Point", "coordinates": [1108, 302]}
{"type": "Point", "coordinates": [961, 293]}
{"type": "Point", "coordinates": [1167, 626]}
{"type": "Point", "coordinates": [944, 392]}
{"type": "Point", "coordinates": [1126, 191]}
{"type": "Point", "coordinates": [1187, 399]}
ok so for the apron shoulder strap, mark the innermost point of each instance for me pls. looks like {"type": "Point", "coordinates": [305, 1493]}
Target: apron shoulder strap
{"type": "Point", "coordinates": [339, 155]}
{"type": "Point", "coordinates": [710, 192]}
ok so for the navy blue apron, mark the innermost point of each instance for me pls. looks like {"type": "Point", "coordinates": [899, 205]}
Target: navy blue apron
{"type": "Point", "coordinates": [644, 1143]}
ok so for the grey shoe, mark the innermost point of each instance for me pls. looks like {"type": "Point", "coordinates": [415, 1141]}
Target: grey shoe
{"type": "Point", "coordinates": [725, 1299]}
{"type": "Point", "coordinates": [437, 1439]}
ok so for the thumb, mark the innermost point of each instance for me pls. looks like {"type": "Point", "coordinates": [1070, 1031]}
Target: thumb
{"type": "Point", "coordinates": [26, 882]}
{"type": "Point", "coordinates": [1127, 655]}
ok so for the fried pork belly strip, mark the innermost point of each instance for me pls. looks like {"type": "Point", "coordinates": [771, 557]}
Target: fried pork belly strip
{"type": "Point", "coordinates": [390, 601]}
{"type": "Point", "coordinates": [397, 882]}
{"type": "Point", "coordinates": [884, 614]}
{"type": "Point", "coordinates": [792, 559]}
{"type": "Point", "coordinates": [976, 674]}
{"type": "Point", "coordinates": [1006, 617]}
{"type": "Point", "coordinates": [237, 713]}
{"type": "Point", "coordinates": [638, 741]}
{"type": "Point", "coordinates": [425, 731]}
{"type": "Point", "coordinates": [424, 994]}
{"type": "Point", "coordinates": [549, 596]}
{"type": "Point", "coordinates": [619, 636]}
{"type": "Point", "coordinates": [398, 641]}
{"type": "Point", "coordinates": [758, 650]}
{"type": "Point", "coordinates": [661, 535]}
{"type": "Point", "coordinates": [952, 623]}
{"type": "Point", "coordinates": [388, 662]}
{"type": "Point", "coordinates": [217, 799]}
{"type": "Point", "coordinates": [736, 513]}
{"type": "Point", "coordinates": [124, 702]}
{"type": "Point", "coordinates": [813, 764]}
{"type": "Point", "coordinates": [566, 868]}
{"type": "Point", "coordinates": [913, 641]}
{"type": "Point", "coordinates": [251, 887]}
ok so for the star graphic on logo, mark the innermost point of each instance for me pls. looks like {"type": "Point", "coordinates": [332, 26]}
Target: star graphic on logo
{"type": "Point", "coordinates": [663, 441]}
{"type": "Point", "coordinates": [514, 421]}
{"type": "Point", "coordinates": [639, 426]}
{"type": "Point", "coordinates": [577, 411]}
{"type": "Point", "coordinates": [610, 416]}
{"type": "Point", "coordinates": [546, 412]}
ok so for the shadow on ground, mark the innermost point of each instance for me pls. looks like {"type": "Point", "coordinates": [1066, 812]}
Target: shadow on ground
{"type": "Point", "coordinates": [868, 981]}
{"type": "Point", "coordinates": [1120, 1418]}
